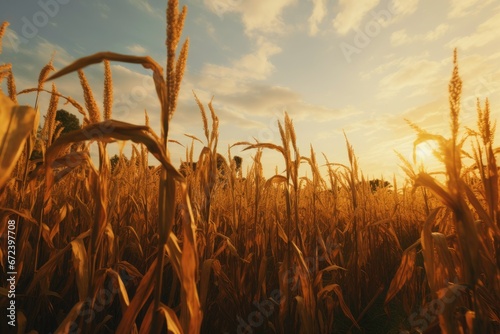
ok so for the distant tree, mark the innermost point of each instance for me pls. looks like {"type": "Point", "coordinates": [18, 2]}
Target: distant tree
{"type": "Point", "coordinates": [378, 184]}
{"type": "Point", "coordinates": [69, 122]}
{"type": "Point", "coordinates": [115, 159]}
{"type": "Point", "coordinates": [188, 167]}
{"type": "Point", "coordinates": [237, 161]}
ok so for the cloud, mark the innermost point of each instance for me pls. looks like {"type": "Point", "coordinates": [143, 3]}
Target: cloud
{"type": "Point", "coordinates": [461, 8]}
{"type": "Point", "coordinates": [395, 11]}
{"type": "Point", "coordinates": [404, 7]}
{"type": "Point", "coordinates": [317, 16]}
{"type": "Point", "coordinates": [250, 67]}
{"type": "Point", "coordinates": [401, 37]}
{"type": "Point", "coordinates": [258, 16]}
{"type": "Point", "coordinates": [146, 7]}
{"type": "Point", "coordinates": [265, 100]}
{"type": "Point", "coordinates": [431, 116]}
{"type": "Point", "coordinates": [486, 32]}
{"type": "Point", "coordinates": [220, 7]}
{"type": "Point", "coordinates": [103, 9]}
{"type": "Point", "coordinates": [134, 92]}
{"type": "Point", "coordinates": [418, 73]}
{"type": "Point", "coordinates": [351, 14]}
{"type": "Point", "coordinates": [11, 40]}
{"type": "Point", "coordinates": [136, 49]}
{"type": "Point", "coordinates": [207, 26]}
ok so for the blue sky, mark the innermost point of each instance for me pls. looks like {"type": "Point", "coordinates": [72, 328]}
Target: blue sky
{"type": "Point", "coordinates": [359, 67]}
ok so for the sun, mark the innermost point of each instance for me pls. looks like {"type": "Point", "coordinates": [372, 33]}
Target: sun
{"type": "Point", "coordinates": [424, 152]}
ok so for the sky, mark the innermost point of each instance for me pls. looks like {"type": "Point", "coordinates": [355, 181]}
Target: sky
{"type": "Point", "coordinates": [339, 68]}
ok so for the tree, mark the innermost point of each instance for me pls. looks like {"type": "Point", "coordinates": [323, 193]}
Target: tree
{"type": "Point", "coordinates": [69, 122]}
{"type": "Point", "coordinates": [115, 159]}
{"type": "Point", "coordinates": [189, 167]}
{"type": "Point", "coordinates": [237, 160]}
{"type": "Point", "coordinates": [379, 184]}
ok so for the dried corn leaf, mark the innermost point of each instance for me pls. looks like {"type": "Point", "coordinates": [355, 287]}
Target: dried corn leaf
{"type": "Point", "coordinates": [300, 258]}
{"type": "Point", "coordinates": [48, 267]}
{"type": "Point", "coordinates": [16, 123]}
{"type": "Point", "coordinates": [104, 131]}
{"type": "Point", "coordinates": [22, 322]}
{"type": "Point", "coordinates": [146, 62]}
{"type": "Point", "coordinates": [110, 237]}
{"type": "Point", "coordinates": [282, 233]}
{"type": "Point", "coordinates": [136, 238]}
{"type": "Point", "coordinates": [445, 270]}
{"type": "Point", "coordinates": [424, 179]}
{"type": "Point", "coordinates": [404, 273]}
{"type": "Point", "coordinates": [262, 274]}
{"type": "Point", "coordinates": [481, 212]}
{"type": "Point", "coordinates": [148, 319]}
{"type": "Point", "coordinates": [338, 291]}
{"type": "Point", "coordinates": [61, 214]}
{"type": "Point", "coordinates": [266, 145]}
{"type": "Point", "coordinates": [174, 326]}
{"type": "Point", "coordinates": [81, 266]}
{"type": "Point", "coordinates": [142, 294]}
{"type": "Point", "coordinates": [332, 267]}
{"type": "Point", "coordinates": [302, 312]}
{"type": "Point", "coordinates": [428, 249]}
{"type": "Point", "coordinates": [68, 325]}
{"type": "Point", "coordinates": [276, 179]}
{"type": "Point", "coordinates": [122, 291]}
{"type": "Point", "coordinates": [191, 315]}
{"type": "Point", "coordinates": [206, 270]}
{"type": "Point", "coordinates": [174, 254]}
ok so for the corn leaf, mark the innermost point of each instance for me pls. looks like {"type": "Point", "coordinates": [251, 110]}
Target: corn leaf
{"type": "Point", "coordinates": [16, 123]}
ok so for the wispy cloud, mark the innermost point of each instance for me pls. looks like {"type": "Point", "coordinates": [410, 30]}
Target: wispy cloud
{"type": "Point", "coordinates": [146, 7]}
{"type": "Point", "coordinates": [136, 49]}
{"type": "Point", "coordinates": [461, 8]}
{"type": "Point", "coordinates": [103, 9]}
{"type": "Point", "coordinates": [485, 33]}
{"type": "Point", "coordinates": [417, 73]}
{"type": "Point", "coordinates": [252, 66]}
{"type": "Point", "coordinates": [404, 7]}
{"type": "Point", "coordinates": [317, 16]}
{"type": "Point", "coordinates": [401, 37]}
{"type": "Point", "coordinates": [351, 13]}
{"type": "Point", "coordinates": [258, 16]}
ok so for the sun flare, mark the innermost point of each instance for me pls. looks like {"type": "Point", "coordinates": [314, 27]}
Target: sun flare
{"type": "Point", "coordinates": [424, 153]}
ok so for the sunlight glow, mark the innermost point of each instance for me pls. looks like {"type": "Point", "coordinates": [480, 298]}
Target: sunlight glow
{"type": "Point", "coordinates": [424, 153]}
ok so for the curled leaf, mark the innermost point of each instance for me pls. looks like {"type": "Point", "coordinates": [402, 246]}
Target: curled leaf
{"type": "Point", "coordinates": [16, 123]}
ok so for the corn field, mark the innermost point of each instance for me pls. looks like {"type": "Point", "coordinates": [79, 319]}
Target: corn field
{"type": "Point", "coordinates": [91, 248]}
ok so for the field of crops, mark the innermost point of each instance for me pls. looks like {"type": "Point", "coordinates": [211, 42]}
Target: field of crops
{"type": "Point", "coordinates": [96, 247]}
